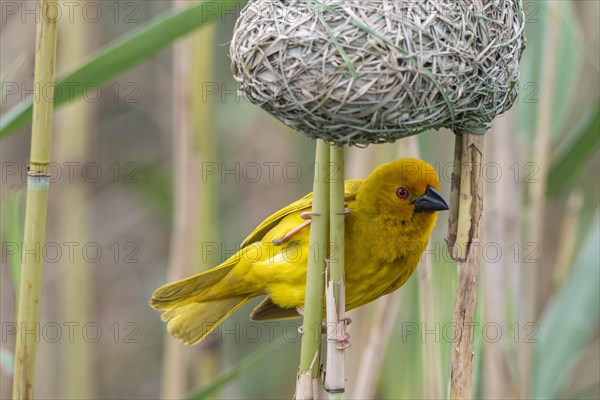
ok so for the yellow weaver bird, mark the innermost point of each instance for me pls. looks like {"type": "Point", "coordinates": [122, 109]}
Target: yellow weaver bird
{"type": "Point", "coordinates": [391, 215]}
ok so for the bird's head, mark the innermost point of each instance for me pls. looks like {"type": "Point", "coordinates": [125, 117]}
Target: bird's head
{"type": "Point", "coordinates": [406, 190]}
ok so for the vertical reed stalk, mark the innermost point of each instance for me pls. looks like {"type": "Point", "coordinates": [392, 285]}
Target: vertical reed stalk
{"type": "Point", "coordinates": [72, 144]}
{"type": "Point", "coordinates": [466, 203]}
{"type": "Point", "coordinates": [382, 325]}
{"type": "Point", "coordinates": [433, 387]}
{"type": "Point", "coordinates": [385, 316]}
{"type": "Point", "coordinates": [432, 374]}
{"type": "Point", "coordinates": [502, 199]}
{"type": "Point", "coordinates": [37, 201]}
{"type": "Point", "coordinates": [335, 379]}
{"type": "Point", "coordinates": [203, 151]}
{"type": "Point", "coordinates": [568, 239]}
{"type": "Point", "coordinates": [532, 274]}
{"type": "Point", "coordinates": [176, 363]}
{"type": "Point", "coordinates": [307, 379]}
{"type": "Point", "coordinates": [194, 207]}
{"type": "Point", "coordinates": [359, 163]}
{"type": "Point", "coordinates": [203, 139]}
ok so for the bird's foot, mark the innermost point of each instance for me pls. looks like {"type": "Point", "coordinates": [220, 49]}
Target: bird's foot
{"type": "Point", "coordinates": [290, 234]}
{"type": "Point", "coordinates": [308, 215]}
{"type": "Point", "coordinates": [341, 338]}
{"type": "Point", "coordinates": [346, 212]}
{"type": "Point", "coordinates": [344, 341]}
{"type": "Point", "coordinates": [301, 327]}
{"type": "Point", "coordinates": [339, 333]}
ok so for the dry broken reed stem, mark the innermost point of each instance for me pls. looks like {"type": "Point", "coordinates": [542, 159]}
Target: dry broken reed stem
{"type": "Point", "coordinates": [464, 231]}
{"type": "Point", "coordinates": [335, 378]}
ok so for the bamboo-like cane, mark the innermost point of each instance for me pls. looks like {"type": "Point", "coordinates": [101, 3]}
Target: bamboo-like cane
{"type": "Point", "coordinates": [75, 126]}
{"type": "Point", "coordinates": [533, 280]}
{"type": "Point", "coordinates": [501, 198]}
{"type": "Point", "coordinates": [373, 351]}
{"type": "Point", "coordinates": [432, 373]}
{"type": "Point", "coordinates": [307, 379]}
{"type": "Point", "coordinates": [335, 379]}
{"type": "Point", "coordinates": [203, 148]}
{"type": "Point", "coordinates": [466, 202]}
{"type": "Point", "coordinates": [37, 201]}
{"type": "Point", "coordinates": [567, 244]}
{"type": "Point", "coordinates": [175, 366]}
{"type": "Point", "coordinates": [194, 208]}
{"type": "Point", "coordinates": [384, 318]}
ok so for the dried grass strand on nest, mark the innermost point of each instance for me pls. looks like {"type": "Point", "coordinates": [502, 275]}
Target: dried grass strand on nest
{"type": "Point", "coordinates": [372, 71]}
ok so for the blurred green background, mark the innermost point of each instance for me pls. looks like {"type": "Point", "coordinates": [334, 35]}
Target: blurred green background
{"type": "Point", "coordinates": [163, 169]}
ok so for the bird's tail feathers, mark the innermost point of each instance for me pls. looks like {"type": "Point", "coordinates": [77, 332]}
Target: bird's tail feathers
{"type": "Point", "coordinates": [190, 323]}
{"type": "Point", "coordinates": [174, 294]}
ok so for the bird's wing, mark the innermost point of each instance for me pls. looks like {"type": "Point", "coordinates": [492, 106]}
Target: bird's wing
{"type": "Point", "coordinates": [402, 278]}
{"type": "Point", "coordinates": [305, 203]}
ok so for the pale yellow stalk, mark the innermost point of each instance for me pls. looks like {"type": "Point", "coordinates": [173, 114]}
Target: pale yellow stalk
{"type": "Point", "coordinates": [37, 202]}
{"type": "Point", "coordinates": [568, 239]}
{"type": "Point", "coordinates": [194, 205]}
{"type": "Point", "coordinates": [432, 373]}
{"type": "Point", "coordinates": [532, 274]}
{"type": "Point", "coordinates": [385, 316]}
{"type": "Point", "coordinates": [72, 144]}
{"type": "Point", "coordinates": [500, 197]}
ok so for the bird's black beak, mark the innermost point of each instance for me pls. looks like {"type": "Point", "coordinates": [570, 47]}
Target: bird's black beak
{"type": "Point", "coordinates": [430, 201]}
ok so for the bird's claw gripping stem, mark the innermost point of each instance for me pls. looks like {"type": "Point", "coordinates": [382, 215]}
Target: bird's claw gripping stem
{"type": "Point", "coordinates": [323, 328]}
{"type": "Point", "coordinates": [305, 216]}
{"type": "Point", "coordinates": [344, 341]}
{"type": "Point", "coordinates": [346, 210]}
{"type": "Point", "coordinates": [291, 234]}
{"type": "Point", "coordinates": [308, 215]}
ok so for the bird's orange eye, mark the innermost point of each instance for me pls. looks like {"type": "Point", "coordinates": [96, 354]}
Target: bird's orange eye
{"type": "Point", "coordinates": [402, 193]}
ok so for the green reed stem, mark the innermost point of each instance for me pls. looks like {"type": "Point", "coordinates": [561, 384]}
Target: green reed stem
{"type": "Point", "coordinates": [315, 281]}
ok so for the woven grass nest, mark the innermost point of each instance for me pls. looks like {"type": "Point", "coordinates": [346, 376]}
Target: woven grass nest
{"type": "Point", "coordinates": [373, 71]}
